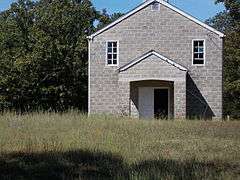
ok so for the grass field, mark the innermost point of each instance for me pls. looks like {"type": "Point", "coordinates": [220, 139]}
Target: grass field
{"type": "Point", "coordinates": [70, 145]}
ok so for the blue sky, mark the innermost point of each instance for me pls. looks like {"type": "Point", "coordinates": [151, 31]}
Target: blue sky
{"type": "Point", "coordinates": [201, 9]}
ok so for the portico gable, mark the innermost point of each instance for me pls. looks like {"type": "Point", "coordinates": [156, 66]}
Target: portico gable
{"type": "Point", "coordinates": [142, 71]}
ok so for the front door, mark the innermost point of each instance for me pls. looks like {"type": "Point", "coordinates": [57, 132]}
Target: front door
{"type": "Point", "coordinates": [146, 102]}
{"type": "Point", "coordinates": [161, 103]}
{"type": "Point", "coordinates": [153, 103]}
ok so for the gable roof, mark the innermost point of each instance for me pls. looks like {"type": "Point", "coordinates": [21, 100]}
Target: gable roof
{"type": "Point", "coordinates": [143, 5]}
{"type": "Point", "coordinates": [152, 52]}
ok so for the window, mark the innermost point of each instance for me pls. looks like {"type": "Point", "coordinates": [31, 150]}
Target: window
{"type": "Point", "coordinates": [112, 53]}
{"type": "Point", "coordinates": [155, 6]}
{"type": "Point", "coordinates": [198, 52]}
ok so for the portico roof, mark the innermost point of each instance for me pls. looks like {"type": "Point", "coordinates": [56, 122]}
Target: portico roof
{"type": "Point", "coordinates": [150, 53]}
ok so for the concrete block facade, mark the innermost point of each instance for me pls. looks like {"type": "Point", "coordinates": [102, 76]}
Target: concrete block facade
{"type": "Point", "coordinates": [196, 93]}
{"type": "Point", "coordinates": [155, 72]}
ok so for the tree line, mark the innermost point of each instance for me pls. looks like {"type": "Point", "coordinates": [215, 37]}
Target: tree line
{"type": "Point", "coordinates": [228, 22]}
{"type": "Point", "coordinates": [44, 53]}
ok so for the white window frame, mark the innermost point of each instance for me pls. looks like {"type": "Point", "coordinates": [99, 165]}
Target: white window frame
{"type": "Point", "coordinates": [106, 61]}
{"type": "Point", "coordinates": [158, 6]}
{"type": "Point", "coordinates": [204, 52]}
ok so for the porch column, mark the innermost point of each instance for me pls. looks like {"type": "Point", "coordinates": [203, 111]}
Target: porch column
{"type": "Point", "coordinates": [180, 99]}
{"type": "Point", "coordinates": [124, 98]}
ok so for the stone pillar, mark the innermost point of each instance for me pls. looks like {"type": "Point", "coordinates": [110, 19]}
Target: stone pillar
{"type": "Point", "coordinates": [180, 99]}
{"type": "Point", "coordinates": [124, 98]}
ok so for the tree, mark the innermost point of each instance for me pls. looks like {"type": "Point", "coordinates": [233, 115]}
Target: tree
{"type": "Point", "coordinates": [221, 21]}
{"type": "Point", "coordinates": [16, 45]}
{"type": "Point", "coordinates": [229, 22]}
{"type": "Point", "coordinates": [43, 60]}
{"type": "Point", "coordinates": [233, 9]}
{"type": "Point", "coordinates": [105, 19]}
{"type": "Point", "coordinates": [44, 53]}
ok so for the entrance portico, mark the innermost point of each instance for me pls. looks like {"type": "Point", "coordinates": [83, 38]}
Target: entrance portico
{"type": "Point", "coordinates": [153, 87]}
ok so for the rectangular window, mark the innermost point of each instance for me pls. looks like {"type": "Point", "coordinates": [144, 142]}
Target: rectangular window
{"type": "Point", "coordinates": [112, 53]}
{"type": "Point", "coordinates": [198, 52]}
{"type": "Point", "coordinates": [155, 6]}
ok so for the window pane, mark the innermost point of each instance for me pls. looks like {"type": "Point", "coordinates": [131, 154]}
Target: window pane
{"type": "Point", "coordinates": [115, 44]}
{"type": "Point", "coordinates": [200, 43]}
{"type": "Point", "coordinates": [195, 43]}
{"type": "Point", "coordinates": [201, 55]}
{"type": "Point", "coordinates": [200, 49]}
{"type": "Point", "coordinates": [198, 62]}
{"type": "Point", "coordinates": [115, 50]}
{"type": "Point", "coordinates": [109, 44]}
{"type": "Point", "coordinates": [109, 56]}
{"type": "Point", "coordinates": [109, 62]}
{"type": "Point", "coordinates": [195, 49]}
{"type": "Point", "coordinates": [109, 50]}
{"type": "Point", "coordinates": [195, 55]}
{"type": "Point", "coordinates": [114, 56]}
{"type": "Point", "coordinates": [114, 61]}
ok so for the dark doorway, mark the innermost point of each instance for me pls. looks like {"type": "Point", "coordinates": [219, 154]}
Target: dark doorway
{"type": "Point", "coordinates": [161, 103]}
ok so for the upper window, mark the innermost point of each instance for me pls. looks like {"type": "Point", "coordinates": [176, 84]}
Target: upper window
{"type": "Point", "coordinates": [198, 52]}
{"type": "Point", "coordinates": [155, 6]}
{"type": "Point", "coordinates": [112, 53]}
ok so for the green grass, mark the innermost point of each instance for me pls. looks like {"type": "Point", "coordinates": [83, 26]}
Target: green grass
{"type": "Point", "coordinates": [63, 146]}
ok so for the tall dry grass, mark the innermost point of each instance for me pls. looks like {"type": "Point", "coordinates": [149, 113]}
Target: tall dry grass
{"type": "Point", "coordinates": [67, 145]}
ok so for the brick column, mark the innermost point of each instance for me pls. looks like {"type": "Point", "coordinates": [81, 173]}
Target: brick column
{"type": "Point", "coordinates": [180, 99]}
{"type": "Point", "coordinates": [124, 98]}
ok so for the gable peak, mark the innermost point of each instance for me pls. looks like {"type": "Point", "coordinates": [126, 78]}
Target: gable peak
{"type": "Point", "coordinates": [165, 3]}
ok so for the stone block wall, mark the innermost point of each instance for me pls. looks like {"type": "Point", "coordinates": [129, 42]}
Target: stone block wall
{"type": "Point", "coordinates": [171, 35]}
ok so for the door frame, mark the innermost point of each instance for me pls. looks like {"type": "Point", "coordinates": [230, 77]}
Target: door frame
{"type": "Point", "coordinates": [169, 105]}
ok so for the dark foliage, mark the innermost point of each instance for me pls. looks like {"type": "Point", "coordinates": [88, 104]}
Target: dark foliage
{"type": "Point", "coordinates": [105, 19]}
{"type": "Point", "coordinates": [229, 22]}
{"type": "Point", "coordinates": [44, 54]}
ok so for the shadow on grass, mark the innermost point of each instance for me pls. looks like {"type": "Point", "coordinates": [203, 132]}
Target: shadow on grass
{"type": "Point", "coordinates": [172, 169]}
{"type": "Point", "coordinates": [81, 164]}
{"type": "Point", "coordinates": [60, 165]}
